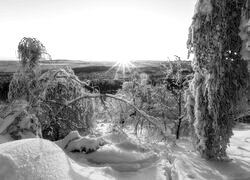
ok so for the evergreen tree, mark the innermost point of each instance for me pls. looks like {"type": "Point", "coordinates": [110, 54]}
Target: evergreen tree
{"type": "Point", "coordinates": [220, 73]}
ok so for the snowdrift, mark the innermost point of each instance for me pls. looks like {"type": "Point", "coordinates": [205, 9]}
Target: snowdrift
{"type": "Point", "coordinates": [119, 159]}
{"type": "Point", "coordinates": [33, 159]}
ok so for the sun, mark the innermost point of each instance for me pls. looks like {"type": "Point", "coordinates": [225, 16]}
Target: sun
{"type": "Point", "coordinates": [125, 64]}
{"type": "Point", "coordinates": [122, 67]}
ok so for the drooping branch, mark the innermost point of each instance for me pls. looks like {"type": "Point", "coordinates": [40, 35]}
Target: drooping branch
{"type": "Point", "coordinates": [87, 95]}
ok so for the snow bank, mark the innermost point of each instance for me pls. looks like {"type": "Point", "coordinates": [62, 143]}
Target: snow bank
{"type": "Point", "coordinates": [121, 160]}
{"type": "Point", "coordinates": [33, 159]}
{"type": "Point", "coordinates": [125, 157]}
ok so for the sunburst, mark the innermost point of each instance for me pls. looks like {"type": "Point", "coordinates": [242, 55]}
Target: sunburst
{"type": "Point", "coordinates": [122, 67]}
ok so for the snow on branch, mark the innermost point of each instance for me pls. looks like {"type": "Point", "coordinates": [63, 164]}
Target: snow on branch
{"type": "Point", "coordinates": [149, 118]}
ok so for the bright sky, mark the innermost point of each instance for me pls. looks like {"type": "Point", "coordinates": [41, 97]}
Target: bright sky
{"type": "Point", "coordinates": [98, 29]}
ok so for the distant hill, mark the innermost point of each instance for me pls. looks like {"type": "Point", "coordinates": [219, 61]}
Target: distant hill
{"type": "Point", "coordinates": [12, 66]}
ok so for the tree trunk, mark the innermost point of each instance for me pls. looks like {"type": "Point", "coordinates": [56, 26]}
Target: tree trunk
{"type": "Point", "coordinates": [179, 115]}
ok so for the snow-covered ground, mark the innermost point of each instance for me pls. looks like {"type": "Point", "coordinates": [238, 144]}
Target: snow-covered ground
{"type": "Point", "coordinates": [188, 164]}
{"type": "Point", "coordinates": [122, 159]}
{"type": "Point", "coordinates": [32, 159]}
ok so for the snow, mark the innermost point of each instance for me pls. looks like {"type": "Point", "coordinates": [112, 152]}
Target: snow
{"type": "Point", "coordinates": [122, 159]}
{"type": "Point", "coordinates": [189, 165]}
{"type": "Point", "coordinates": [32, 159]}
{"type": "Point", "coordinates": [126, 159]}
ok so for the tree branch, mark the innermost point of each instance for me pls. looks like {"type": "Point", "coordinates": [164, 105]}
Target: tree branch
{"type": "Point", "coordinates": [149, 118]}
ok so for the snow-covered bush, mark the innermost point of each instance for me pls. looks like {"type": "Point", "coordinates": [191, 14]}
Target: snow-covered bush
{"type": "Point", "coordinates": [24, 81]}
{"type": "Point", "coordinates": [18, 121]}
{"type": "Point", "coordinates": [47, 93]}
{"type": "Point", "coordinates": [138, 92]}
{"type": "Point", "coordinates": [176, 82]}
{"type": "Point", "coordinates": [157, 101]}
{"type": "Point", "coordinates": [58, 119]}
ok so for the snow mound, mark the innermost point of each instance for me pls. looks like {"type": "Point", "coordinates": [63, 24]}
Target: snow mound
{"type": "Point", "coordinates": [121, 160]}
{"type": "Point", "coordinates": [119, 152]}
{"type": "Point", "coordinates": [39, 159]}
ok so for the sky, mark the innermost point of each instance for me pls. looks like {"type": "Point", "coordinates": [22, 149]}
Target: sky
{"type": "Point", "coordinates": [118, 30]}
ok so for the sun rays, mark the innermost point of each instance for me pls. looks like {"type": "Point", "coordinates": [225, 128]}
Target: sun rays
{"type": "Point", "coordinates": [122, 67]}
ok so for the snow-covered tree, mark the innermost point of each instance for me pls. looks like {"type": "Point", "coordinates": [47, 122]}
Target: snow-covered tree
{"type": "Point", "coordinates": [24, 81]}
{"type": "Point", "coordinates": [176, 81]}
{"type": "Point", "coordinates": [47, 93]}
{"type": "Point", "coordinates": [220, 73]}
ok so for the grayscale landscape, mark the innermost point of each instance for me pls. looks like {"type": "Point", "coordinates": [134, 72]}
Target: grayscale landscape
{"type": "Point", "coordinates": [125, 90]}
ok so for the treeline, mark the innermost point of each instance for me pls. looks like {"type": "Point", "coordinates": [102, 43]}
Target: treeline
{"type": "Point", "coordinates": [101, 80]}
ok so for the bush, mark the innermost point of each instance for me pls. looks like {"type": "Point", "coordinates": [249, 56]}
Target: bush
{"type": "Point", "coordinates": [47, 93]}
{"type": "Point", "coordinates": [24, 81]}
{"type": "Point", "coordinates": [156, 101]}
{"type": "Point", "coordinates": [18, 121]}
{"type": "Point", "coordinates": [57, 119]}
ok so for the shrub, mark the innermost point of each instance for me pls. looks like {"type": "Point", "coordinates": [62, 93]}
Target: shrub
{"type": "Point", "coordinates": [18, 121]}
{"type": "Point", "coordinates": [156, 101]}
{"type": "Point", "coordinates": [47, 93]}
{"type": "Point", "coordinates": [24, 81]}
{"type": "Point", "coordinates": [57, 119]}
